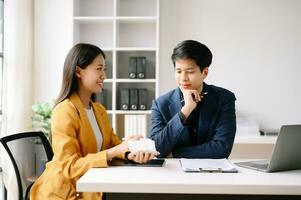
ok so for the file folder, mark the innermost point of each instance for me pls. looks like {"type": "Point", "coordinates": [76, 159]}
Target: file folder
{"type": "Point", "coordinates": [141, 67]}
{"type": "Point", "coordinates": [134, 99]}
{"type": "Point", "coordinates": [142, 99]}
{"type": "Point", "coordinates": [125, 99]}
{"type": "Point", "coordinates": [207, 165]}
{"type": "Point", "coordinates": [132, 67]}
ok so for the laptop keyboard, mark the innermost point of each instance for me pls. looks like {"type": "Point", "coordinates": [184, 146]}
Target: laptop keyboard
{"type": "Point", "coordinates": [260, 166]}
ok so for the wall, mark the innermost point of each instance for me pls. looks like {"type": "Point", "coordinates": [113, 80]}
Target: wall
{"type": "Point", "coordinates": [256, 46]}
{"type": "Point", "coordinates": [53, 39]}
{"type": "Point", "coordinates": [256, 49]}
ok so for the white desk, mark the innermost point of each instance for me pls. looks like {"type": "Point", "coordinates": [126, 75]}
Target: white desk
{"type": "Point", "coordinates": [171, 179]}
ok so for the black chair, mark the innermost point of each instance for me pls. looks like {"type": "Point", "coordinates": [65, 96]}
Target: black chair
{"type": "Point", "coordinates": [26, 140]}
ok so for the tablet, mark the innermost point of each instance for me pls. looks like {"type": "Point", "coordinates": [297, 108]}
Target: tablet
{"type": "Point", "coordinates": [152, 163]}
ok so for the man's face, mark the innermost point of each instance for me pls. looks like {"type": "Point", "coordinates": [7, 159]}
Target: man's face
{"type": "Point", "coordinates": [188, 74]}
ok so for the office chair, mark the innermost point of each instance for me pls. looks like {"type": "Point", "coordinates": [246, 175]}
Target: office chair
{"type": "Point", "coordinates": [26, 140]}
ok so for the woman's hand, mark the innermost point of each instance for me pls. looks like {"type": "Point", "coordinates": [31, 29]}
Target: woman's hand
{"type": "Point", "coordinates": [122, 147]}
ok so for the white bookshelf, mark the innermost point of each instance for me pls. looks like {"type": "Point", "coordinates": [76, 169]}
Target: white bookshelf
{"type": "Point", "coordinates": [122, 28]}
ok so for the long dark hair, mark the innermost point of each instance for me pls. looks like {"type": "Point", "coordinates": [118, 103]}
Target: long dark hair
{"type": "Point", "coordinates": [80, 55]}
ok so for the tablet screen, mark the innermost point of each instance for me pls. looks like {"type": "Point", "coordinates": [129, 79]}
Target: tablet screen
{"type": "Point", "coordinates": [151, 163]}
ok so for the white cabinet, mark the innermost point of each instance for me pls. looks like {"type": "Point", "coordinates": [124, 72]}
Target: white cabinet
{"type": "Point", "coordinates": [123, 29]}
{"type": "Point", "coordinates": [253, 147]}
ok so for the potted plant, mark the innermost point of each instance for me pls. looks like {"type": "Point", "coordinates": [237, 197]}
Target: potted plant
{"type": "Point", "coordinates": [41, 118]}
{"type": "Point", "coordinates": [40, 121]}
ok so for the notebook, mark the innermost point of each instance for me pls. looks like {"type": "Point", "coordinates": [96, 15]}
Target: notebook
{"type": "Point", "coordinates": [158, 162]}
{"type": "Point", "coordinates": [286, 154]}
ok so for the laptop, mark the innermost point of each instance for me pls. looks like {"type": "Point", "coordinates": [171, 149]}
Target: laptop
{"type": "Point", "coordinates": [286, 154]}
{"type": "Point", "coordinates": [158, 162]}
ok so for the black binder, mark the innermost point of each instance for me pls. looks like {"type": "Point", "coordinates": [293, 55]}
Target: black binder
{"type": "Point", "coordinates": [125, 99]}
{"type": "Point", "coordinates": [141, 67]}
{"type": "Point", "coordinates": [142, 99]}
{"type": "Point", "coordinates": [132, 67]}
{"type": "Point", "coordinates": [134, 99]}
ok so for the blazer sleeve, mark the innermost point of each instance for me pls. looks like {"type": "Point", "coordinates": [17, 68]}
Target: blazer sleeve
{"type": "Point", "coordinates": [164, 134]}
{"type": "Point", "coordinates": [67, 151]}
{"type": "Point", "coordinates": [220, 145]}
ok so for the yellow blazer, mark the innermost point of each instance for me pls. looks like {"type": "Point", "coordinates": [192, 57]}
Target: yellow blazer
{"type": "Point", "coordinates": [75, 150]}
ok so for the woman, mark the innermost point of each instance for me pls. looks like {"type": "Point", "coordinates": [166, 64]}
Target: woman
{"type": "Point", "coordinates": [82, 137]}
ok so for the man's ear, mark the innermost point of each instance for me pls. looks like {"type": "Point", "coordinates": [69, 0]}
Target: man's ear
{"type": "Point", "coordinates": [205, 72]}
{"type": "Point", "coordinates": [78, 72]}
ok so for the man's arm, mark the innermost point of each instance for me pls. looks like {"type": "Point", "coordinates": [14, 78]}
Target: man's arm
{"type": "Point", "coordinates": [221, 144]}
{"type": "Point", "coordinates": [164, 134]}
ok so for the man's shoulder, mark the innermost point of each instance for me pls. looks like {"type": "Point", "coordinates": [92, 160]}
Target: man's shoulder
{"type": "Point", "coordinates": [221, 92]}
{"type": "Point", "coordinates": [166, 97]}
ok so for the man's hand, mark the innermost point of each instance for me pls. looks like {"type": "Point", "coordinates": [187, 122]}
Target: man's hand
{"type": "Point", "coordinates": [141, 157]}
{"type": "Point", "coordinates": [191, 98]}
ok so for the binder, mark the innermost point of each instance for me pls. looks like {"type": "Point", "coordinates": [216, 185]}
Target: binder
{"type": "Point", "coordinates": [128, 126]}
{"type": "Point", "coordinates": [141, 67]}
{"type": "Point", "coordinates": [135, 124]}
{"type": "Point", "coordinates": [143, 99]}
{"type": "Point", "coordinates": [207, 165]}
{"type": "Point", "coordinates": [141, 123]}
{"type": "Point", "coordinates": [125, 99]}
{"type": "Point", "coordinates": [132, 67]}
{"type": "Point", "coordinates": [134, 99]}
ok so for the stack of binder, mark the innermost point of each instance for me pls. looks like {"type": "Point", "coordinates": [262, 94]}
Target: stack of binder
{"type": "Point", "coordinates": [135, 124]}
{"type": "Point", "coordinates": [137, 67]}
{"type": "Point", "coordinates": [133, 99]}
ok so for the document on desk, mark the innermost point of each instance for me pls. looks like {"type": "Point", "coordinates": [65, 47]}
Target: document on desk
{"type": "Point", "coordinates": [207, 165]}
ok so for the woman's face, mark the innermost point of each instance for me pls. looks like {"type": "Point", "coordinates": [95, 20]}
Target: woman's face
{"type": "Point", "coordinates": [188, 74]}
{"type": "Point", "coordinates": [91, 78]}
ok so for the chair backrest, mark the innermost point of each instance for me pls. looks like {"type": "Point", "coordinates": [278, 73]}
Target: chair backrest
{"type": "Point", "coordinates": [29, 145]}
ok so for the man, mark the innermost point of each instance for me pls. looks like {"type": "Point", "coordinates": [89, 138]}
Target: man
{"type": "Point", "coordinates": [195, 120]}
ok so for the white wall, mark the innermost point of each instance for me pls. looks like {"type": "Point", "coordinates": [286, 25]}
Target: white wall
{"type": "Point", "coordinates": [53, 39]}
{"type": "Point", "coordinates": [256, 47]}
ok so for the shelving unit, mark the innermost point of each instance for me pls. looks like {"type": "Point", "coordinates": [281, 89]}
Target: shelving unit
{"type": "Point", "coordinates": [122, 28]}
{"type": "Point", "coordinates": [255, 139]}
{"type": "Point", "coordinates": [253, 147]}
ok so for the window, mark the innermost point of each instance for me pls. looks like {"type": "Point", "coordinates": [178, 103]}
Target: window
{"type": "Point", "coordinates": [1, 51]}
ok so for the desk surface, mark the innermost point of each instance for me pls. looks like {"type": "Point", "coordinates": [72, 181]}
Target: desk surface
{"type": "Point", "coordinates": [171, 179]}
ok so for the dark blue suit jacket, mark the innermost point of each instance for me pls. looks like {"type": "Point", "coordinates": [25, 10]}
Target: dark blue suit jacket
{"type": "Point", "coordinates": [215, 132]}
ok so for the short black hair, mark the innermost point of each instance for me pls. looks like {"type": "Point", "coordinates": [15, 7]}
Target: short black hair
{"type": "Point", "coordinates": [191, 49]}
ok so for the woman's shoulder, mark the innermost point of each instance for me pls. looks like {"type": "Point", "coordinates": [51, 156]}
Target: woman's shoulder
{"type": "Point", "coordinates": [65, 106]}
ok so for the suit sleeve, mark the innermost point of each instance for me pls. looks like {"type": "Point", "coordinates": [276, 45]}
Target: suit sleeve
{"type": "Point", "coordinates": [164, 134]}
{"type": "Point", "coordinates": [67, 151]}
{"type": "Point", "coordinates": [220, 145]}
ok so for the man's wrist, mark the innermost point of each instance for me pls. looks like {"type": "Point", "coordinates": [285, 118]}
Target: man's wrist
{"type": "Point", "coordinates": [182, 117]}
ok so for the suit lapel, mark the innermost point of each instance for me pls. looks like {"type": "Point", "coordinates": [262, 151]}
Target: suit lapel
{"type": "Point", "coordinates": [175, 105]}
{"type": "Point", "coordinates": [87, 135]}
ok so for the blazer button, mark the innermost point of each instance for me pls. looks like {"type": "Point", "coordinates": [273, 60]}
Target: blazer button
{"type": "Point", "coordinates": [78, 195]}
